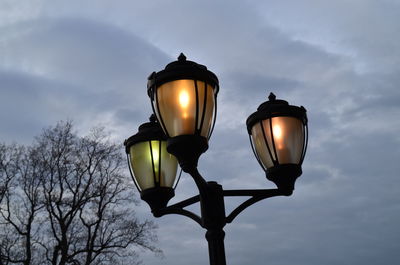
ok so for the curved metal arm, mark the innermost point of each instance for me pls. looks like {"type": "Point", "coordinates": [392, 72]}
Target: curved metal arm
{"type": "Point", "coordinates": [180, 211]}
{"type": "Point", "coordinates": [257, 195]}
{"type": "Point", "coordinates": [213, 203]}
{"type": "Point", "coordinates": [186, 202]}
{"type": "Point", "coordinates": [177, 208]}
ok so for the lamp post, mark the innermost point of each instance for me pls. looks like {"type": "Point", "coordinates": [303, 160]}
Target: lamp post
{"type": "Point", "coordinates": [183, 98]}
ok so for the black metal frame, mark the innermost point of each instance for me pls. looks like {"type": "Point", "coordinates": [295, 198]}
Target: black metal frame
{"type": "Point", "coordinates": [213, 218]}
{"type": "Point", "coordinates": [189, 70]}
{"type": "Point", "coordinates": [255, 194]}
{"type": "Point", "coordinates": [268, 110]}
{"type": "Point", "coordinates": [158, 196]}
{"type": "Point", "coordinates": [183, 69]}
{"type": "Point", "coordinates": [188, 148]}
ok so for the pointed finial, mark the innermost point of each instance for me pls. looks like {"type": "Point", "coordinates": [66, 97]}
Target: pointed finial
{"type": "Point", "coordinates": [271, 96]}
{"type": "Point", "coordinates": [182, 57]}
{"type": "Point", "coordinates": [153, 118]}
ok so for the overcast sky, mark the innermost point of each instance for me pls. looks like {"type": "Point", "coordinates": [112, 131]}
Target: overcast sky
{"type": "Point", "coordinates": [88, 61]}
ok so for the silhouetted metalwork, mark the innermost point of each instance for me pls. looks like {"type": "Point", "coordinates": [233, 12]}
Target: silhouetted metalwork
{"type": "Point", "coordinates": [186, 113]}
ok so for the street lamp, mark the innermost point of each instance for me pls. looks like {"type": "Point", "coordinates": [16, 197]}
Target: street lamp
{"type": "Point", "coordinates": [152, 168]}
{"type": "Point", "coordinates": [278, 136]}
{"type": "Point", "coordinates": [183, 98]}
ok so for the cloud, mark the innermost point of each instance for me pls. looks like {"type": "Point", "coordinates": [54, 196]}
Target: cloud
{"type": "Point", "coordinates": [89, 62]}
{"type": "Point", "coordinates": [364, 30]}
{"type": "Point", "coordinates": [75, 69]}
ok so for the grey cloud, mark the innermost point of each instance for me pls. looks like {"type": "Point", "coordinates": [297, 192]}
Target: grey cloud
{"type": "Point", "coordinates": [98, 55]}
{"type": "Point", "coordinates": [26, 106]}
{"type": "Point", "coordinates": [90, 63]}
{"type": "Point", "coordinates": [365, 30]}
{"type": "Point", "coordinates": [72, 69]}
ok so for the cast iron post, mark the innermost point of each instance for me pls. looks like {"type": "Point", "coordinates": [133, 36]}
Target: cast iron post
{"type": "Point", "coordinates": [213, 217]}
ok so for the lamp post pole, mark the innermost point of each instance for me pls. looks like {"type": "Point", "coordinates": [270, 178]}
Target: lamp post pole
{"type": "Point", "coordinates": [183, 97]}
{"type": "Point", "coordinates": [213, 215]}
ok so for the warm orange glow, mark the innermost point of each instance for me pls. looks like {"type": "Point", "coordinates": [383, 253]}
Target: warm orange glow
{"type": "Point", "coordinates": [284, 143]}
{"type": "Point", "coordinates": [277, 130]}
{"type": "Point", "coordinates": [184, 99]}
{"type": "Point", "coordinates": [178, 108]}
{"type": "Point", "coordinates": [278, 136]}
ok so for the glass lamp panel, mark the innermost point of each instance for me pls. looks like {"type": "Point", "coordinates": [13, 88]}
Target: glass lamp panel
{"type": "Point", "coordinates": [260, 145]}
{"type": "Point", "coordinates": [143, 158]}
{"type": "Point", "coordinates": [141, 163]}
{"type": "Point", "coordinates": [169, 167]}
{"type": "Point", "coordinates": [177, 106]}
{"type": "Point", "coordinates": [288, 135]}
{"type": "Point", "coordinates": [210, 108]}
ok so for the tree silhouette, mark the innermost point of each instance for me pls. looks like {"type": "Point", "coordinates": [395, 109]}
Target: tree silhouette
{"type": "Point", "coordinates": [66, 200]}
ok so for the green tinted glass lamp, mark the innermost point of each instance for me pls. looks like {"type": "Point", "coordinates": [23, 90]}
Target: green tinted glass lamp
{"type": "Point", "coordinates": [152, 168]}
{"type": "Point", "coordinates": [184, 99]}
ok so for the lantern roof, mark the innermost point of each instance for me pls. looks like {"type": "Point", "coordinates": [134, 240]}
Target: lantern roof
{"type": "Point", "coordinates": [147, 131]}
{"type": "Point", "coordinates": [181, 69]}
{"type": "Point", "coordinates": [275, 108]}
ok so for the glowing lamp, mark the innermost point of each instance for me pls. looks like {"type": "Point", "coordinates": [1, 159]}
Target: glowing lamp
{"type": "Point", "coordinates": [278, 136]}
{"type": "Point", "coordinates": [152, 168]}
{"type": "Point", "coordinates": [183, 97]}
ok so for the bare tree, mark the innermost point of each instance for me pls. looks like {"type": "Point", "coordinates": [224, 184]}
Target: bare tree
{"type": "Point", "coordinates": [68, 201]}
{"type": "Point", "coordinates": [20, 204]}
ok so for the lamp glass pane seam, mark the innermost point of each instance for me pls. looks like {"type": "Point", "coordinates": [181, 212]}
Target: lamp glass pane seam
{"type": "Point", "coordinates": [156, 184]}
{"type": "Point", "coordinates": [255, 153]}
{"type": "Point", "coordinates": [196, 129]}
{"type": "Point", "coordinates": [204, 109]}
{"type": "Point", "coordinates": [156, 110]}
{"type": "Point", "coordinates": [128, 156]}
{"type": "Point", "coordinates": [274, 161]}
{"type": "Point", "coordinates": [305, 143]}
{"type": "Point", "coordinates": [214, 114]}
{"type": "Point", "coordinates": [159, 163]}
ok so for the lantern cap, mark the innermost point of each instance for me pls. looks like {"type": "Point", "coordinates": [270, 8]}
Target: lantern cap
{"type": "Point", "coordinates": [284, 176]}
{"type": "Point", "coordinates": [187, 149]}
{"type": "Point", "coordinates": [147, 131]}
{"type": "Point", "coordinates": [275, 108]}
{"type": "Point", "coordinates": [157, 198]}
{"type": "Point", "coordinates": [181, 69]}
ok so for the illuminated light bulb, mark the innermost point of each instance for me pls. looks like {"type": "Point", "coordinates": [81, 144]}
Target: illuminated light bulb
{"type": "Point", "coordinates": [278, 136]}
{"type": "Point", "coordinates": [156, 155]}
{"type": "Point", "coordinates": [155, 152]}
{"type": "Point", "coordinates": [277, 130]}
{"type": "Point", "coordinates": [184, 99]}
